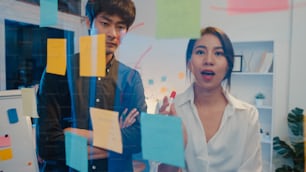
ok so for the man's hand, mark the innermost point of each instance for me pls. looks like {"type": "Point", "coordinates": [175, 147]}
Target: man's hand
{"type": "Point", "coordinates": [129, 119]}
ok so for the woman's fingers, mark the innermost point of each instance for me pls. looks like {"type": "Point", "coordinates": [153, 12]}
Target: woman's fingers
{"type": "Point", "coordinates": [165, 104]}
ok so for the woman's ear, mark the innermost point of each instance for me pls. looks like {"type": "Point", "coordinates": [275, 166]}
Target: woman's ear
{"type": "Point", "coordinates": [87, 22]}
{"type": "Point", "coordinates": [189, 66]}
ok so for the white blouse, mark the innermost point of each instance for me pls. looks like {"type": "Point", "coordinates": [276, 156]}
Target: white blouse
{"type": "Point", "coordinates": [235, 147]}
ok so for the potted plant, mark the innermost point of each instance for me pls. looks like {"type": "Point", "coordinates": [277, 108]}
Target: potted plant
{"type": "Point", "coordinates": [259, 98]}
{"type": "Point", "coordinates": [289, 156]}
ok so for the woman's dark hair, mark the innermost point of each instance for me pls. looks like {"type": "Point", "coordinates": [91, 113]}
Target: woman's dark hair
{"type": "Point", "coordinates": [226, 46]}
{"type": "Point", "coordinates": [123, 8]}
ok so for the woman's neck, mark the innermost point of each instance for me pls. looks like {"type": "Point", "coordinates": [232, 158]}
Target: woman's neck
{"type": "Point", "coordinates": [208, 97]}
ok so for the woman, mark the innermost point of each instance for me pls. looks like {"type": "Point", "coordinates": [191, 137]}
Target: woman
{"type": "Point", "coordinates": [221, 132]}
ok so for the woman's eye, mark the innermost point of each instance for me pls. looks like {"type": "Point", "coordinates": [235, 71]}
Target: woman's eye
{"type": "Point", "coordinates": [199, 52]}
{"type": "Point", "coordinates": [219, 53]}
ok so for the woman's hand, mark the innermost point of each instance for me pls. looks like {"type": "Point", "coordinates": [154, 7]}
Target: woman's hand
{"type": "Point", "coordinates": [164, 108]}
{"type": "Point", "coordinates": [129, 119]}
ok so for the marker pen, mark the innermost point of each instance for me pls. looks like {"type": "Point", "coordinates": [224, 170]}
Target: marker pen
{"type": "Point", "coordinates": [172, 96]}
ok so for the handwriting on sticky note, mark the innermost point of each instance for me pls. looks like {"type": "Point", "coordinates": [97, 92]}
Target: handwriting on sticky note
{"type": "Point", "coordinates": [106, 129]}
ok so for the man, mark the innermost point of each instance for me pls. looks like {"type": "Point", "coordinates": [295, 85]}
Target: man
{"type": "Point", "coordinates": [71, 96]}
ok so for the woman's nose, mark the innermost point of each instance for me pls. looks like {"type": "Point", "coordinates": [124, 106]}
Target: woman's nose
{"type": "Point", "coordinates": [208, 59]}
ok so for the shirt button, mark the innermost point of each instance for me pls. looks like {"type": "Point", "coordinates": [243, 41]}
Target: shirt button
{"type": "Point", "coordinates": [97, 100]}
{"type": "Point", "coordinates": [93, 167]}
{"type": "Point", "coordinates": [99, 78]}
{"type": "Point", "coordinates": [107, 70]}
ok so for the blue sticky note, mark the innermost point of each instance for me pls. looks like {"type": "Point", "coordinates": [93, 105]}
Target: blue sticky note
{"type": "Point", "coordinates": [48, 12]}
{"type": "Point", "coordinates": [12, 116]}
{"type": "Point", "coordinates": [163, 78]}
{"type": "Point", "coordinates": [76, 152]}
{"type": "Point", "coordinates": [151, 82]}
{"type": "Point", "coordinates": [162, 139]}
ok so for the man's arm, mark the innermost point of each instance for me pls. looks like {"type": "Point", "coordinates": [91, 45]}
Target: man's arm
{"type": "Point", "coordinates": [53, 101]}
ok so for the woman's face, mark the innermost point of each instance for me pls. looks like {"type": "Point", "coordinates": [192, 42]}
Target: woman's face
{"type": "Point", "coordinates": [208, 63]}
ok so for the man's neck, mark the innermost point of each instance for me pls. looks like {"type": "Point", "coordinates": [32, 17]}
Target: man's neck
{"type": "Point", "coordinates": [109, 57]}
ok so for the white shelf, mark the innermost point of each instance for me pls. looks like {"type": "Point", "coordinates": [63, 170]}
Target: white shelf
{"type": "Point", "coordinates": [247, 83]}
{"type": "Point", "coordinates": [266, 107]}
{"type": "Point", "coordinates": [252, 73]}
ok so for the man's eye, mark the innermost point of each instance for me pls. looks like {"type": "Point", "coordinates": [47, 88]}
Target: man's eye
{"type": "Point", "coordinates": [104, 23]}
{"type": "Point", "coordinates": [121, 28]}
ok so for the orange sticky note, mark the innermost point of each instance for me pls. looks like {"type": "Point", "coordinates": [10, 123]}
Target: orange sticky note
{"type": "Point", "coordinates": [56, 56]}
{"type": "Point", "coordinates": [6, 154]}
{"type": "Point", "coordinates": [163, 89]}
{"type": "Point", "coordinates": [92, 55]}
{"type": "Point", "coordinates": [106, 129]}
{"type": "Point", "coordinates": [181, 75]}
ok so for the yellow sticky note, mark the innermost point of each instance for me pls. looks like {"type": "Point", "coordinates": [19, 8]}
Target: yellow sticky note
{"type": "Point", "coordinates": [29, 102]}
{"type": "Point", "coordinates": [92, 55]}
{"type": "Point", "coordinates": [6, 154]}
{"type": "Point", "coordinates": [56, 56]}
{"type": "Point", "coordinates": [106, 129]}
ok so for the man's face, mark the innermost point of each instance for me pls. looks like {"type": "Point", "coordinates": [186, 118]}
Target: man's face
{"type": "Point", "coordinates": [112, 26]}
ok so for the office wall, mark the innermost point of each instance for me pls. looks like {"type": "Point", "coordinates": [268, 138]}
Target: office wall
{"type": "Point", "coordinates": [297, 81]}
{"type": "Point", "coordinates": [150, 55]}
{"type": "Point", "coordinates": [168, 54]}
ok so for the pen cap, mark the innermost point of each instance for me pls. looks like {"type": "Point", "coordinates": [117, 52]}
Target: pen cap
{"type": "Point", "coordinates": [172, 95]}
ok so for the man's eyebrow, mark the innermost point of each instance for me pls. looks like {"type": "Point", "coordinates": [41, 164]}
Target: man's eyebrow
{"type": "Point", "coordinates": [105, 17]}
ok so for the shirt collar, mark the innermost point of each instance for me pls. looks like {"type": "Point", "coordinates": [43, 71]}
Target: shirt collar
{"type": "Point", "coordinates": [232, 101]}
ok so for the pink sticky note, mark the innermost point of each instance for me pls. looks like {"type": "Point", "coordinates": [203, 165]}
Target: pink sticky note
{"type": "Point", "coordinates": [251, 6]}
{"type": "Point", "coordinates": [5, 141]}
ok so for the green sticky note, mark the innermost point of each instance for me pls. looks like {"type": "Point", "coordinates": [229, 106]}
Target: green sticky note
{"type": "Point", "coordinates": [178, 18]}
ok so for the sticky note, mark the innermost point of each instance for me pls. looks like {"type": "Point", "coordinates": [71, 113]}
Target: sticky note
{"type": "Point", "coordinates": [251, 6]}
{"type": "Point", "coordinates": [5, 141]}
{"type": "Point", "coordinates": [48, 12]}
{"type": "Point", "coordinates": [12, 116]}
{"type": "Point", "coordinates": [163, 89]}
{"type": "Point", "coordinates": [162, 139]}
{"type": "Point", "coordinates": [181, 75]}
{"type": "Point", "coordinates": [163, 79]}
{"type": "Point", "coordinates": [151, 82]}
{"type": "Point", "coordinates": [29, 104]}
{"type": "Point", "coordinates": [92, 55]}
{"type": "Point", "coordinates": [106, 129]}
{"type": "Point", "coordinates": [6, 154]}
{"type": "Point", "coordinates": [178, 18]}
{"type": "Point", "coordinates": [56, 56]}
{"type": "Point", "coordinates": [76, 151]}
